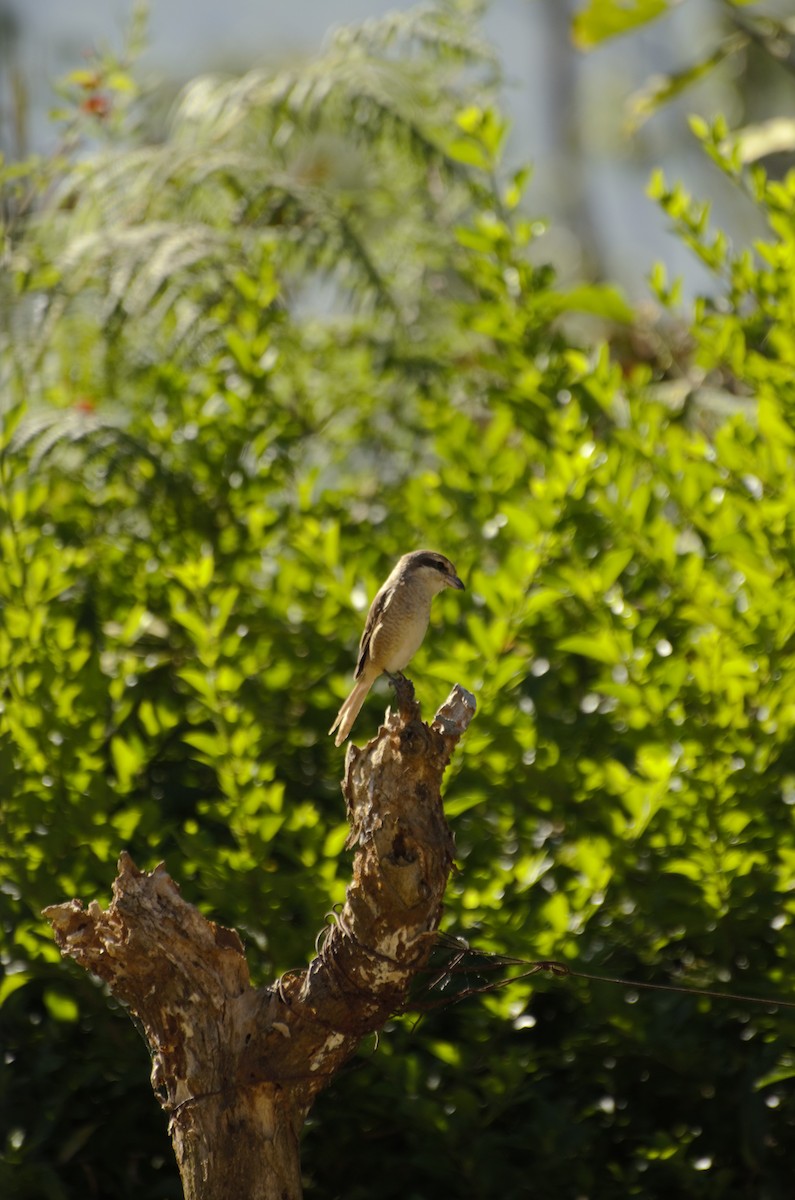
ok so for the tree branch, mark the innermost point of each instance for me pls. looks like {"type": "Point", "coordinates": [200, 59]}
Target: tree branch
{"type": "Point", "coordinates": [237, 1068]}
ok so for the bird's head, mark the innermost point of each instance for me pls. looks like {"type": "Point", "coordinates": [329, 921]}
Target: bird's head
{"type": "Point", "coordinates": [434, 570]}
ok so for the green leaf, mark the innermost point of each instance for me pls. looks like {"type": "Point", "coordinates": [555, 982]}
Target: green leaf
{"type": "Point", "coordinates": [603, 300]}
{"type": "Point", "coordinates": [603, 19]}
{"type": "Point", "coordinates": [11, 983]}
{"type": "Point", "coordinates": [601, 647]}
{"type": "Point", "coordinates": [466, 151]}
{"type": "Point", "coordinates": [210, 744]}
{"type": "Point", "coordinates": [60, 1006]}
{"type": "Point", "coordinates": [613, 564]}
{"type": "Point", "coordinates": [128, 758]}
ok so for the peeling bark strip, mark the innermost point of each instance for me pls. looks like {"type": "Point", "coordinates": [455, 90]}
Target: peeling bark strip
{"type": "Point", "coordinates": [237, 1068]}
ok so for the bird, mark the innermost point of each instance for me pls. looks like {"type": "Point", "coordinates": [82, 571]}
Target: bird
{"type": "Point", "coordinates": [395, 626]}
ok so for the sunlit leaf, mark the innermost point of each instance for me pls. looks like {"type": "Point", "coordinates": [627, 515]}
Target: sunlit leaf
{"type": "Point", "coordinates": [602, 19]}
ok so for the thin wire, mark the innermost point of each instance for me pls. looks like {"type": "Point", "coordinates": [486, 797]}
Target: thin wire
{"type": "Point", "coordinates": [686, 991]}
{"type": "Point", "coordinates": [496, 961]}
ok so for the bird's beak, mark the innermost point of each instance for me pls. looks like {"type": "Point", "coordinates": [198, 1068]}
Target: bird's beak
{"type": "Point", "coordinates": [454, 581]}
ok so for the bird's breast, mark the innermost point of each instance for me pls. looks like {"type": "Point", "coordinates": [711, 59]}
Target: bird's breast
{"type": "Point", "coordinates": [400, 639]}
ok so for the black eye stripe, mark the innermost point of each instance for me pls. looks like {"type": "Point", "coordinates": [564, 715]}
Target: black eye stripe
{"type": "Point", "coordinates": [430, 560]}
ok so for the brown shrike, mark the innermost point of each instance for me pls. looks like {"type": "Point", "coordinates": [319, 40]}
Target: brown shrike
{"type": "Point", "coordinates": [395, 626]}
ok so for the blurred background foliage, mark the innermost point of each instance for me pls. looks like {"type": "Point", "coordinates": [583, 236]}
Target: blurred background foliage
{"type": "Point", "coordinates": [249, 361]}
{"type": "Point", "coordinates": [582, 119]}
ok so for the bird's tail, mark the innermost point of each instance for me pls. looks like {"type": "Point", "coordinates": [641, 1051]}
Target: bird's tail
{"type": "Point", "coordinates": [350, 709]}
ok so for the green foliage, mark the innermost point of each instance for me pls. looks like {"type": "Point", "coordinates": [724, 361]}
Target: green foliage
{"type": "Point", "coordinates": [757, 44]}
{"type": "Point", "coordinates": [599, 20]}
{"type": "Point", "coordinates": [245, 367]}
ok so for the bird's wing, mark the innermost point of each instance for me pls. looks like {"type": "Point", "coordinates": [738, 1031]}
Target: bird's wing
{"type": "Point", "coordinates": [374, 618]}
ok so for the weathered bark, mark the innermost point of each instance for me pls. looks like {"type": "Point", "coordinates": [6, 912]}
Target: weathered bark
{"type": "Point", "coordinates": [237, 1068]}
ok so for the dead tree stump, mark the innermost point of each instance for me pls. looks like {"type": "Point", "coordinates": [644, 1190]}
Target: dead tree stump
{"type": "Point", "coordinates": [237, 1068]}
